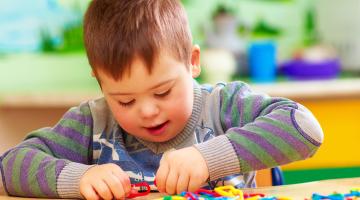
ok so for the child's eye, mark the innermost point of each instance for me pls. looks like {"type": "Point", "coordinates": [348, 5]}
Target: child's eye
{"type": "Point", "coordinates": [163, 94]}
{"type": "Point", "coordinates": [126, 104]}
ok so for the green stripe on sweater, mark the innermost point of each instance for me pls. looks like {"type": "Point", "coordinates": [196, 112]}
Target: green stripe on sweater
{"type": "Point", "coordinates": [223, 111]}
{"type": "Point", "coordinates": [16, 170]}
{"type": "Point", "coordinates": [245, 166]}
{"type": "Point", "coordinates": [65, 142]}
{"type": "Point", "coordinates": [247, 110]}
{"type": "Point", "coordinates": [77, 126]}
{"type": "Point", "coordinates": [230, 103]}
{"type": "Point", "coordinates": [32, 179]}
{"type": "Point", "coordinates": [51, 177]}
{"type": "Point", "coordinates": [84, 110]}
{"type": "Point", "coordinates": [265, 106]}
{"type": "Point", "coordinates": [30, 143]}
{"type": "Point", "coordinates": [235, 114]}
{"type": "Point", "coordinates": [276, 141]}
{"type": "Point", "coordinates": [256, 150]}
{"type": "Point", "coordinates": [289, 128]}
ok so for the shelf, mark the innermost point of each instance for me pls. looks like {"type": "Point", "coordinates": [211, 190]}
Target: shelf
{"type": "Point", "coordinates": [344, 88]}
{"type": "Point", "coordinates": [53, 100]}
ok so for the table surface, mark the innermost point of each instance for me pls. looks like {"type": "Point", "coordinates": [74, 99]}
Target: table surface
{"type": "Point", "coordinates": [294, 191]}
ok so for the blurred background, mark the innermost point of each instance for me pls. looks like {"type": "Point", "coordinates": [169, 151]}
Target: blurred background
{"type": "Point", "coordinates": [306, 50]}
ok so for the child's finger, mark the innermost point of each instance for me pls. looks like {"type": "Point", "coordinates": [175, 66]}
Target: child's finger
{"type": "Point", "coordinates": [102, 189]}
{"type": "Point", "coordinates": [124, 179]}
{"type": "Point", "coordinates": [115, 186]}
{"type": "Point", "coordinates": [183, 183]}
{"type": "Point", "coordinates": [161, 176]}
{"type": "Point", "coordinates": [194, 183]}
{"type": "Point", "coordinates": [88, 192]}
{"type": "Point", "coordinates": [171, 181]}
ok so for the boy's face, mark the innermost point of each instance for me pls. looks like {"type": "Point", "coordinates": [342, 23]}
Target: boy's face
{"type": "Point", "coordinates": [154, 107]}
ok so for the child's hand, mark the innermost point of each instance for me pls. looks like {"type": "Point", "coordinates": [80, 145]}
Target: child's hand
{"type": "Point", "coordinates": [181, 170]}
{"type": "Point", "coordinates": [106, 181]}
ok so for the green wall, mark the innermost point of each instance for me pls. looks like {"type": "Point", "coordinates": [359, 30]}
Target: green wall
{"type": "Point", "coordinates": [300, 176]}
{"type": "Point", "coordinates": [289, 16]}
{"type": "Point", "coordinates": [70, 71]}
{"type": "Point", "coordinates": [36, 73]}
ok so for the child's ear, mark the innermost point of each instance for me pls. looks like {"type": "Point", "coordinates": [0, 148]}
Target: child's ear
{"type": "Point", "coordinates": [92, 73]}
{"type": "Point", "coordinates": [195, 61]}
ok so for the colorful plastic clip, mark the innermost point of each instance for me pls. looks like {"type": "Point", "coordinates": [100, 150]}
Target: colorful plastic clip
{"type": "Point", "coordinates": [316, 196]}
{"type": "Point", "coordinates": [269, 198]}
{"type": "Point", "coordinates": [173, 198]}
{"type": "Point", "coordinates": [283, 198]}
{"type": "Point", "coordinates": [137, 190]}
{"type": "Point", "coordinates": [336, 196]}
{"type": "Point", "coordinates": [355, 192]}
{"type": "Point", "coordinates": [229, 191]}
{"type": "Point", "coordinates": [247, 195]}
{"type": "Point", "coordinates": [256, 197]}
{"type": "Point", "coordinates": [208, 193]}
{"type": "Point", "coordinates": [189, 195]}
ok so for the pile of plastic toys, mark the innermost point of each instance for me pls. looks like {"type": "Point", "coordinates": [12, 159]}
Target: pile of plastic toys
{"type": "Point", "coordinates": [353, 195]}
{"type": "Point", "coordinates": [221, 193]}
{"type": "Point", "coordinates": [231, 193]}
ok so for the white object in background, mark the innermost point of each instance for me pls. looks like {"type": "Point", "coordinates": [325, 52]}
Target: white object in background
{"type": "Point", "coordinates": [319, 53]}
{"type": "Point", "coordinates": [338, 24]}
{"type": "Point", "coordinates": [225, 35]}
{"type": "Point", "coordinates": [218, 65]}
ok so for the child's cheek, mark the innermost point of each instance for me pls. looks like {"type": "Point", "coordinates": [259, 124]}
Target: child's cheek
{"type": "Point", "coordinates": [124, 118]}
{"type": "Point", "coordinates": [181, 108]}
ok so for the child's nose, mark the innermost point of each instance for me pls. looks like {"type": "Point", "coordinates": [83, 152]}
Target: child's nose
{"type": "Point", "coordinates": [149, 110]}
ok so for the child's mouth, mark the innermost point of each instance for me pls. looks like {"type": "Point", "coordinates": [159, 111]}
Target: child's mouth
{"type": "Point", "coordinates": [159, 129]}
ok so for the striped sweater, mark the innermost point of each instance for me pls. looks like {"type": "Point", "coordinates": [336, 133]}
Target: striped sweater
{"type": "Point", "coordinates": [236, 130]}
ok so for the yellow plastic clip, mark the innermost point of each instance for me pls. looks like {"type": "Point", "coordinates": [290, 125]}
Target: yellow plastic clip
{"type": "Point", "coordinates": [178, 198]}
{"type": "Point", "coordinates": [257, 197]}
{"type": "Point", "coordinates": [229, 191]}
{"type": "Point", "coordinates": [283, 198]}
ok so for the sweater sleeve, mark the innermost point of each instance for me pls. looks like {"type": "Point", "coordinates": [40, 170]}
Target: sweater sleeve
{"type": "Point", "coordinates": [33, 167]}
{"type": "Point", "coordinates": [260, 132]}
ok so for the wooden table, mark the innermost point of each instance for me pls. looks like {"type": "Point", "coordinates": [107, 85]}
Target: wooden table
{"type": "Point", "coordinates": [295, 191]}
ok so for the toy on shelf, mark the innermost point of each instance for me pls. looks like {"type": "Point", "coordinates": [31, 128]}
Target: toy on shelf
{"type": "Point", "coordinates": [317, 62]}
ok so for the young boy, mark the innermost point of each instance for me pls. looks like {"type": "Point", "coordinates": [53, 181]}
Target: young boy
{"type": "Point", "coordinates": [155, 121]}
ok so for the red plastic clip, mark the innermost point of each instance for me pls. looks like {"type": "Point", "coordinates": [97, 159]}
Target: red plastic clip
{"type": "Point", "coordinates": [139, 192]}
{"type": "Point", "coordinates": [190, 196]}
{"type": "Point", "coordinates": [247, 195]}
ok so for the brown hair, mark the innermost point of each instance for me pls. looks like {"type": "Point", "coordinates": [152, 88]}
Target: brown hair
{"type": "Point", "coordinates": [117, 31]}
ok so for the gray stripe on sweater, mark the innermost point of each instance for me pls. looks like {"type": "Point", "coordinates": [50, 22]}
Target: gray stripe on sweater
{"type": "Point", "coordinates": [68, 182]}
{"type": "Point", "coordinates": [211, 151]}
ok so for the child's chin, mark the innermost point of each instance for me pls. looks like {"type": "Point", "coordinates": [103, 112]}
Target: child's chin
{"type": "Point", "coordinates": [161, 139]}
